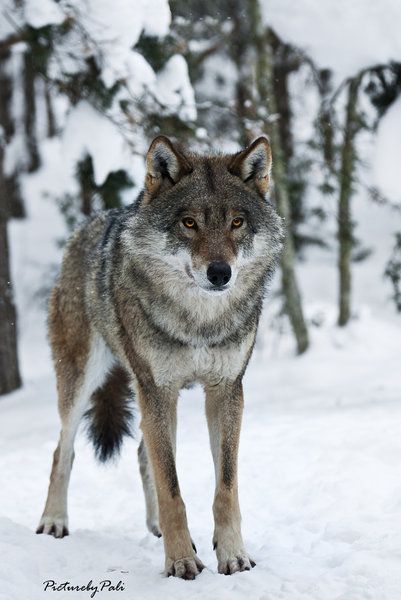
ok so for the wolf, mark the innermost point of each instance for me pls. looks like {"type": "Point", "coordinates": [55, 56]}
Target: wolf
{"type": "Point", "coordinates": [152, 298]}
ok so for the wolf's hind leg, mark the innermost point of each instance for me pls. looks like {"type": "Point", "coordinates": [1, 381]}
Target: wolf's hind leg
{"type": "Point", "coordinates": [54, 520]}
{"type": "Point", "coordinates": [80, 369]}
{"type": "Point", "coordinates": [149, 488]}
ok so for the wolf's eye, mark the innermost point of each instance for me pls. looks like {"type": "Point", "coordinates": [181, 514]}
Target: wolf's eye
{"type": "Point", "coordinates": [189, 222]}
{"type": "Point", "coordinates": [237, 222]}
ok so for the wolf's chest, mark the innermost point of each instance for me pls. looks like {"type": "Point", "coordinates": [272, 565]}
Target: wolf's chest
{"type": "Point", "coordinates": [203, 364]}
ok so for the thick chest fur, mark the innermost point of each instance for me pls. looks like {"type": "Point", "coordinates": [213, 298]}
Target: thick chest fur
{"type": "Point", "coordinates": [170, 361]}
{"type": "Point", "coordinates": [207, 365]}
{"type": "Point", "coordinates": [171, 356]}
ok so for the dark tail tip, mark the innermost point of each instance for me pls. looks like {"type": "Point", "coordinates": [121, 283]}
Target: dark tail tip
{"type": "Point", "coordinates": [111, 416]}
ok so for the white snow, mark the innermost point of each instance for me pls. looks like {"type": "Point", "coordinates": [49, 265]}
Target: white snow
{"type": "Point", "coordinates": [115, 32]}
{"type": "Point", "coordinates": [45, 12]}
{"type": "Point", "coordinates": [338, 34]}
{"type": "Point", "coordinates": [319, 483]}
{"type": "Point", "coordinates": [174, 89]}
{"type": "Point", "coordinates": [156, 16]}
{"type": "Point", "coordinates": [88, 131]}
{"type": "Point", "coordinates": [141, 74]}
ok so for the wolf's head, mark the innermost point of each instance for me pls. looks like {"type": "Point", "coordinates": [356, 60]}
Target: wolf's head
{"type": "Point", "coordinates": [211, 221]}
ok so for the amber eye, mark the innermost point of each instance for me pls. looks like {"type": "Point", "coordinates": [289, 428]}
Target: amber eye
{"type": "Point", "coordinates": [237, 222]}
{"type": "Point", "coordinates": [189, 222]}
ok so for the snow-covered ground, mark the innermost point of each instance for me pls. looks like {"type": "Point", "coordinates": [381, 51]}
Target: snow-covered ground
{"type": "Point", "coordinates": [320, 456]}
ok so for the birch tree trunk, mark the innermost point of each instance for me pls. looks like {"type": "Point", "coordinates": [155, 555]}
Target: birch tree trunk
{"type": "Point", "coordinates": [266, 91]}
{"type": "Point", "coordinates": [345, 228]}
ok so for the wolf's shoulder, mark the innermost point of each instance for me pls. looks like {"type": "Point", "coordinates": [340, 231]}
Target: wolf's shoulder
{"type": "Point", "coordinates": [100, 225]}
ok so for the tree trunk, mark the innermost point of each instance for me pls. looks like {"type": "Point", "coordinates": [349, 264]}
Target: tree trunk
{"type": "Point", "coordinates": [293, 302]}
{"type": "Point", "coordinates": [284, 62]}
{"type": "Point", "coordinates": [283, 65]}
{"type": "Point", "coordinates": [266, 91]}
{"type": "Point", "coordinates": [51, 119]}
{"type": "Point", "coordinates": [345, 228]}
{"type": "Point", "coordinates": [9, 371]}
{"type": "Point", "coordinates": [86, 184]}
{"type": "Point", "coordinates": [325, 119]}
{"type": "Point", "coordinates": [86, 205]}
{"type": "Point", "coordinates": [13, 198]}
{"type": "Point", "coordinates": [240, 46]}
{"type": "Point", "coordinates": [30, 113]}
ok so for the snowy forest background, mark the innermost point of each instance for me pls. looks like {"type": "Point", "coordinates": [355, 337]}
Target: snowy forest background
{"type": "Point", "coordinates": [84, 87]}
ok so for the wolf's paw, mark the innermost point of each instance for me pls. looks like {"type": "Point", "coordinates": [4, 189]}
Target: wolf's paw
{"type": "Point", "coordinates": [229, 563]}
{"type": "Point", "coordinates": [185, 568]}
{"type": "Point", "coordinates": [56, 526]}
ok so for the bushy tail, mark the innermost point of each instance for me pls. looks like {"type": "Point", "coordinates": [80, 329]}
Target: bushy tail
{"type": "Point", "coordinates": [111, 416]}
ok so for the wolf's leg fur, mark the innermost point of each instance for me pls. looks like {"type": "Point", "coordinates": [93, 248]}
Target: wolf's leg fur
{"type": "Point", "coordinates": [149, 488]}
{"type": "Point", "coordinates": [81, 366]}
{"type": "Point", "coordinates": [54, 520]}
{"type": "Point", "coordinates": [158, 409]}
{"type": "Point", "coordinates": [224, 405]}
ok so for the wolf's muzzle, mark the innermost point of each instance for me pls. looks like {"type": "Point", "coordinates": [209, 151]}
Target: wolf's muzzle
{"type": "Point", "coordinates": [219, 273]}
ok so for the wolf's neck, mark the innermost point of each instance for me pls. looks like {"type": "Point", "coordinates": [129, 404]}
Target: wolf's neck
{"type": "Point", "coordinates": [191, 316]}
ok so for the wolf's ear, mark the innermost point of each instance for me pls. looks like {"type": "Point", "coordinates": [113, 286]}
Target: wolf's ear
{"type": "Point", "coordinates": [253, 165]}
{"type": "Point", "coordinates": [165, 166]}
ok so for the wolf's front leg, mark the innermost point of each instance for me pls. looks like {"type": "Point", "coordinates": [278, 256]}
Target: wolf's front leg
{"type": "Point", "coordinates": [158, 409]}
{"type": "Point", "coordinates": [224, 405]}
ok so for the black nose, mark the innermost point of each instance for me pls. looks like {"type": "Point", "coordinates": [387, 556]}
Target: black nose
{"type": "Point", "coordinates": [219, 273]}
